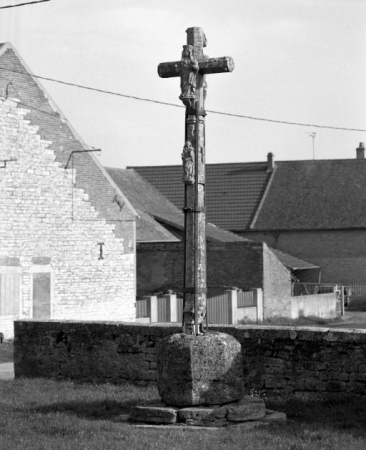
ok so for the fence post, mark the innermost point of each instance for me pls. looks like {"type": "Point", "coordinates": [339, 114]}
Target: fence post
{"type": "Point", "coordinates": [232, 306]}
{"type": "Point", "coordinates": [152, 307]}
{"type": "Point", "coordinates": [258, 298]}
{"type": "Point", "coordinates": [342, 300]}
{"type": "Point", "coordinates": [172, 307]}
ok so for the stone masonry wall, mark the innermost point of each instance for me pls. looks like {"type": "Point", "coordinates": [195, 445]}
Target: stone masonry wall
{"type": "Point", "coordinates": [276, 286]}
{"type": "Point", "coordinates": [160, 266]}
{"type": "Point", "coordinates": [235, 264]}
{"type": "Point", "coordinates": [306, 362]}
{"type": "Point", "coordinates": [53, 126]}
{"type": "Point", "coordinates": [43, 216]}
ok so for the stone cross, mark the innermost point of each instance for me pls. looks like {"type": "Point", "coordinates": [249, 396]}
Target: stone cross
{"type": "Point", "coordinates": [191, 69]}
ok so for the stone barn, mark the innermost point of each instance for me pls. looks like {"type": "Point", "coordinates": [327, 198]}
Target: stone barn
{"type": "Point", "coordinates": [67, 232]}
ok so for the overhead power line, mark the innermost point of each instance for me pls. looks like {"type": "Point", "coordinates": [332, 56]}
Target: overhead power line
{"type": "Point", "coordinates": [23, 4]}
{"type": "Point", "coordinates": [133, 97]}
{"type": "Point", "coordinates": [284, 122]}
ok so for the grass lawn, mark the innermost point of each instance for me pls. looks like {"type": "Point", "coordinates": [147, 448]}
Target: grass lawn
{"type": "Point", "coordinates": [45, 414]}
{"type": "Point", "coordinates": [6, 352]}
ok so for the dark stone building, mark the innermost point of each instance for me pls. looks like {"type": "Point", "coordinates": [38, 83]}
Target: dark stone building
{"type": "Point", "coordinates": [314, 210]}
{"type": "Point", "coordinates": [232, 260]}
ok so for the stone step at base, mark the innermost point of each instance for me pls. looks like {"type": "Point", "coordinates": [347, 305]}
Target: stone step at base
{"type": "Point", "coordinates": [154, 414]}
{"type": "Point", "coordinates": [248, 409]}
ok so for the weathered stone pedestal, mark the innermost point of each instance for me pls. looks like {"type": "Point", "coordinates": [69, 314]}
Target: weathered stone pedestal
{"type": "Point", "coordinates": [200, 381]}
{"type": "Point", "coordinates": [199, 370]}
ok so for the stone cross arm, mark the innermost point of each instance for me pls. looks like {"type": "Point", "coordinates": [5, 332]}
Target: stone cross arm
{"type": "Point", "coordinates": [207, 66]}
{"type": "Point", "coordinates": [193, 68]}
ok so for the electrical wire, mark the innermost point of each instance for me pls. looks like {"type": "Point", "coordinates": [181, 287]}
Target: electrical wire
{"type": "Point", "coordinates": [23, 4]}
{"type": "Point", "coordinates": [133, 97]}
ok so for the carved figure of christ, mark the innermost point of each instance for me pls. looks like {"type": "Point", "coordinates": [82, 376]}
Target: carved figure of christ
{"type": "Point", "coordinates": [192, 70]}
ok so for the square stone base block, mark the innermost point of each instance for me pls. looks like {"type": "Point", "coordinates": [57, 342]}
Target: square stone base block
{"type": "Point", "coordinates": [199, 370]}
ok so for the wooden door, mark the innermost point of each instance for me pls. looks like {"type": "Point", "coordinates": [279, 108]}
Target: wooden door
{"type": "Point", "coordinates": [42, 295]}
{"type": "Point", "coordinates": [9, 293]}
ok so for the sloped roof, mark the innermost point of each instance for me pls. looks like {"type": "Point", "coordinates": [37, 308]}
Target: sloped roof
{"type": "Point", "coordinates": [213, 232]}
{"type": "Point", "coordinates": [291, 262]}
{"type": "Point", "coordinates": [16, 80]}
{"type": "Point", "coordinates": [155, 208]}
{"type": "Point", "coordinates": [233, 190]}
{"type": "Point", "coordinates": [150, 230]}
{"type": "Point", "coordinates": [311, 195]}
{"type": "Point", "coordinates": [297, 195]}
{"type": "Point", "coordinates": [148, 202]}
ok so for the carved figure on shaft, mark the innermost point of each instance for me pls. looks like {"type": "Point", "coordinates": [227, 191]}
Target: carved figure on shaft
{"type": "Point", "coordinates": [188, 74]}
{"type": "Point", "coordinates": [192, 70]}
{"type": "Point", "coordinates": [188, 163]}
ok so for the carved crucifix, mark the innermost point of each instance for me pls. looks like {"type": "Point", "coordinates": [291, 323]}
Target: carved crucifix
{"type": "Point", "coordinates": [191, 69]}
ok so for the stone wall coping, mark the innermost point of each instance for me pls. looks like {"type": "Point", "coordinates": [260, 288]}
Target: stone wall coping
{"type": "Point", "coordinates": [103, 322]}
{"type": "Point", "coordinates": [240, 332]}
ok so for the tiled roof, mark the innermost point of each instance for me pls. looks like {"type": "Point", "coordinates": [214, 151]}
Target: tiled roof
{"type": "Point", "coordinates": [298, 195]}
{"type": "Point", "coordinates": [53, 126]}
{"type": "Point", "coordinates": [311, 195]}
{"type": "Point", "coordinates": [233, 191]}
{"type": "Point", "coordinates": [153, 207]}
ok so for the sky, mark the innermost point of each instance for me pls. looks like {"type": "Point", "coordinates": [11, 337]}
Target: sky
{"type": "Point", "coordinates": [295, 60]}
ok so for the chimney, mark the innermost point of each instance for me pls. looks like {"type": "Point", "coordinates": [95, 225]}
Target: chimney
{"type": "Point", "coordinates": [360, 151]}
{"type": "Point", "coordinates": [270, 162]}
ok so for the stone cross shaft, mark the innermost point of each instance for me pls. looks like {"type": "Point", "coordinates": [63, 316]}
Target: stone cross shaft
{"type": "Point", "coordinates": [192, 70]}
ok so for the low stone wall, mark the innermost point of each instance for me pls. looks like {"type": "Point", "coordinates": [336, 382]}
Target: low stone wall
{"type": "Point", "coordinates": [292, 360]}
{"type": "Point", "coordinates": [88, 351]}
{"type": "Point", "coordinates": [317, 305]}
